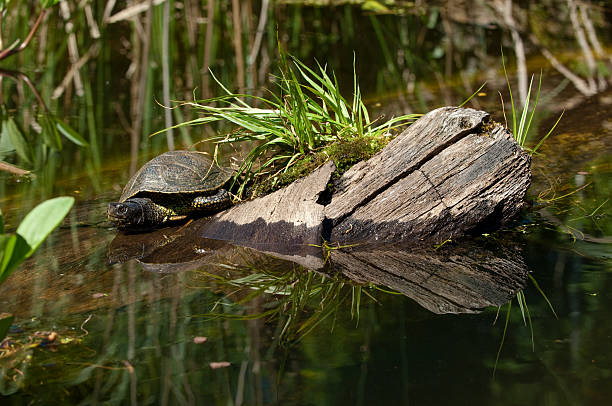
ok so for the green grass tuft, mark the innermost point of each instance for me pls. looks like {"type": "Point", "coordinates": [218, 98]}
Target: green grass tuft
{"type": "Point", "coordinates": [307, 116]}
{"type": "Point", "coordinates": [521, 122]}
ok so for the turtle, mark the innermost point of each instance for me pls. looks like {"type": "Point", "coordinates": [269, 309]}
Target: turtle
{"type": "Point", "coordinates": [170, 187]}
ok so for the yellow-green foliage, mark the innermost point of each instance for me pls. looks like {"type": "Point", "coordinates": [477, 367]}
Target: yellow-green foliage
{"type": "Point", "coordinates": [344, 153]}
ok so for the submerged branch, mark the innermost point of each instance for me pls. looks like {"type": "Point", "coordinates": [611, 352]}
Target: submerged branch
{"type": "Point", "coordinates": [6, 167]}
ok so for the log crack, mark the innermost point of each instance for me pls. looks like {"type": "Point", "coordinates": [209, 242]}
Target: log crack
{"type": "Point", "coordinates": [452, 125]}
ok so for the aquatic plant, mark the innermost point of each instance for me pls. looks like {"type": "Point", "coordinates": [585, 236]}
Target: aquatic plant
{"type": "Point", "coordinates": [16, 140]}
{"type": "Point", "coordinates": [522, 124]}
{"type": "Point", "coordinates": [307, 115]}
{"type": "Point", "coordinates": [18, 45]}
{"type": "Point", "coordinates": [525, 314]}
{"type": "Point", "coordinates": [32, 231]}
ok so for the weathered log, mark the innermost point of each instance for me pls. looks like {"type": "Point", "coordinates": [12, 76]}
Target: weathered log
{"type": "Point", "coordinates": [288, 222]}
{"type": "Point", "coordinates": [443, 177]}
{"type": "Point", "coordinates": [450, 173]}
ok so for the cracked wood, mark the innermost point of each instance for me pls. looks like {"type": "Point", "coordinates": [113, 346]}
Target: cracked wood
{"type": "Point", "coordinates": [440, 179]}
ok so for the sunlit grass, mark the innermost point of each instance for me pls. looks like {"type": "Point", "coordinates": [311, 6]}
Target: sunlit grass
{"type": "Point", "coordinates": [307, 114]}
{"type": "Point", "coordinates": [521, 121]}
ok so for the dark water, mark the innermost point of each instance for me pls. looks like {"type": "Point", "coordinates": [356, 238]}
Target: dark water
{"type": "Point", "coordinates": [277, 333]}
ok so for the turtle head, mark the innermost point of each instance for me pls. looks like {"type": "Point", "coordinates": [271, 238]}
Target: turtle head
{"type": "Point", "coordinates": [130, 213]}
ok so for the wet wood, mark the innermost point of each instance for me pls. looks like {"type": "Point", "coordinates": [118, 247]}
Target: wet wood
{"type": "Point", "coordinates": [447, 175]}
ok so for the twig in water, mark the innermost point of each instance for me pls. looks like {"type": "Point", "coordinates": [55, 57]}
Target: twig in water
{"type": "Point", "coordinates": [83, 325]}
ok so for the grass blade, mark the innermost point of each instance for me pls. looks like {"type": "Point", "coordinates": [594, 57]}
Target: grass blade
{"type": "Point", "coordinates": [473, 94]}
{"type": "Point", "coordinates": [537, 286]}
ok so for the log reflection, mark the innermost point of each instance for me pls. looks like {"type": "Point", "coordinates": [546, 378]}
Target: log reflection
{"type": "Point", "coordinates": [462, 279]}
{"type": "Point", "coordinates": [454, 279]}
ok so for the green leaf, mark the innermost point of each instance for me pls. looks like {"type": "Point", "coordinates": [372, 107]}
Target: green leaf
{"type": "Point", "coordinates": [70, 133]}
{"type": "Point", "coordinates": [534, 149]}
{"type": "Point", "coordinates": [43, 219]}
{"type": "Point", "coordinates": [9, 127]}
{"type": "Point", "coordinates": [7, 249]}
{"type": "Point", "coordinates": [6, 147]}
{"type": "Point", "coordinates": [6, 319]}
{"type": "Point", "coordinates": [17, 250]}
{"type": "Point", "coordinates": [49, 133]}
{"type": "Point", "coordinates": [375, 6]}
{"type": "Point", "coordinates": [473, 94]}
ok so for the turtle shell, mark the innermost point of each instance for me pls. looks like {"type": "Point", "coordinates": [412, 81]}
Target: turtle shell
{"type": "Point", "coordinates": [177, 172]}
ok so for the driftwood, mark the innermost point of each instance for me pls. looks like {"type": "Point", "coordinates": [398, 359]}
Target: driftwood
{"type": "Point", "coordinates": [445, 176]}
{"type": "Point", "coordinates": [450, 173]}
{"type": "Point", "coordinates": [288, 222]}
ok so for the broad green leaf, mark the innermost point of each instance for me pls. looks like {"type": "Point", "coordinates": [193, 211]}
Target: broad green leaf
{"type": "Point", "coordinates": [70, 133]}
{"type": "Point", "coordinates": [6, 147]}
{"type": "Point", "coordinates": [6, 319]}
{"type": "Point", "coordinates": [17, 139]}
{"type": "Point", "coordinates": [43, 219]}
{"type": "Point", "coordinates": [16, 251]}
{"type": "Point", "coordinates": [50, 134]}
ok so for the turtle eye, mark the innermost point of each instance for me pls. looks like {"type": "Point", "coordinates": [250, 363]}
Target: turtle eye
{"type": "Point", "coordinates": [123, 209]}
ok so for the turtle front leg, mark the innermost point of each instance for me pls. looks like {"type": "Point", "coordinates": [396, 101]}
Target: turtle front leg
{"type": "Point", "coordinates": [213, 203]}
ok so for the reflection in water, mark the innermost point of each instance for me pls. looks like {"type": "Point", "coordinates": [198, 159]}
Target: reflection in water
{"type": "Point", "coordinates": [461, 279]}
{"type": "Point", "coordinates": [453, 280]}
{"type": "Point", "coordinates": [136, 339]}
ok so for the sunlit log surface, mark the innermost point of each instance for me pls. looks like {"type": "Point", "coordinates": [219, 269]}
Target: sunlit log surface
{"type": "Point", "coordinates": [288, 222]}
{"type": "Point", "coordinates": [448, 174]}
